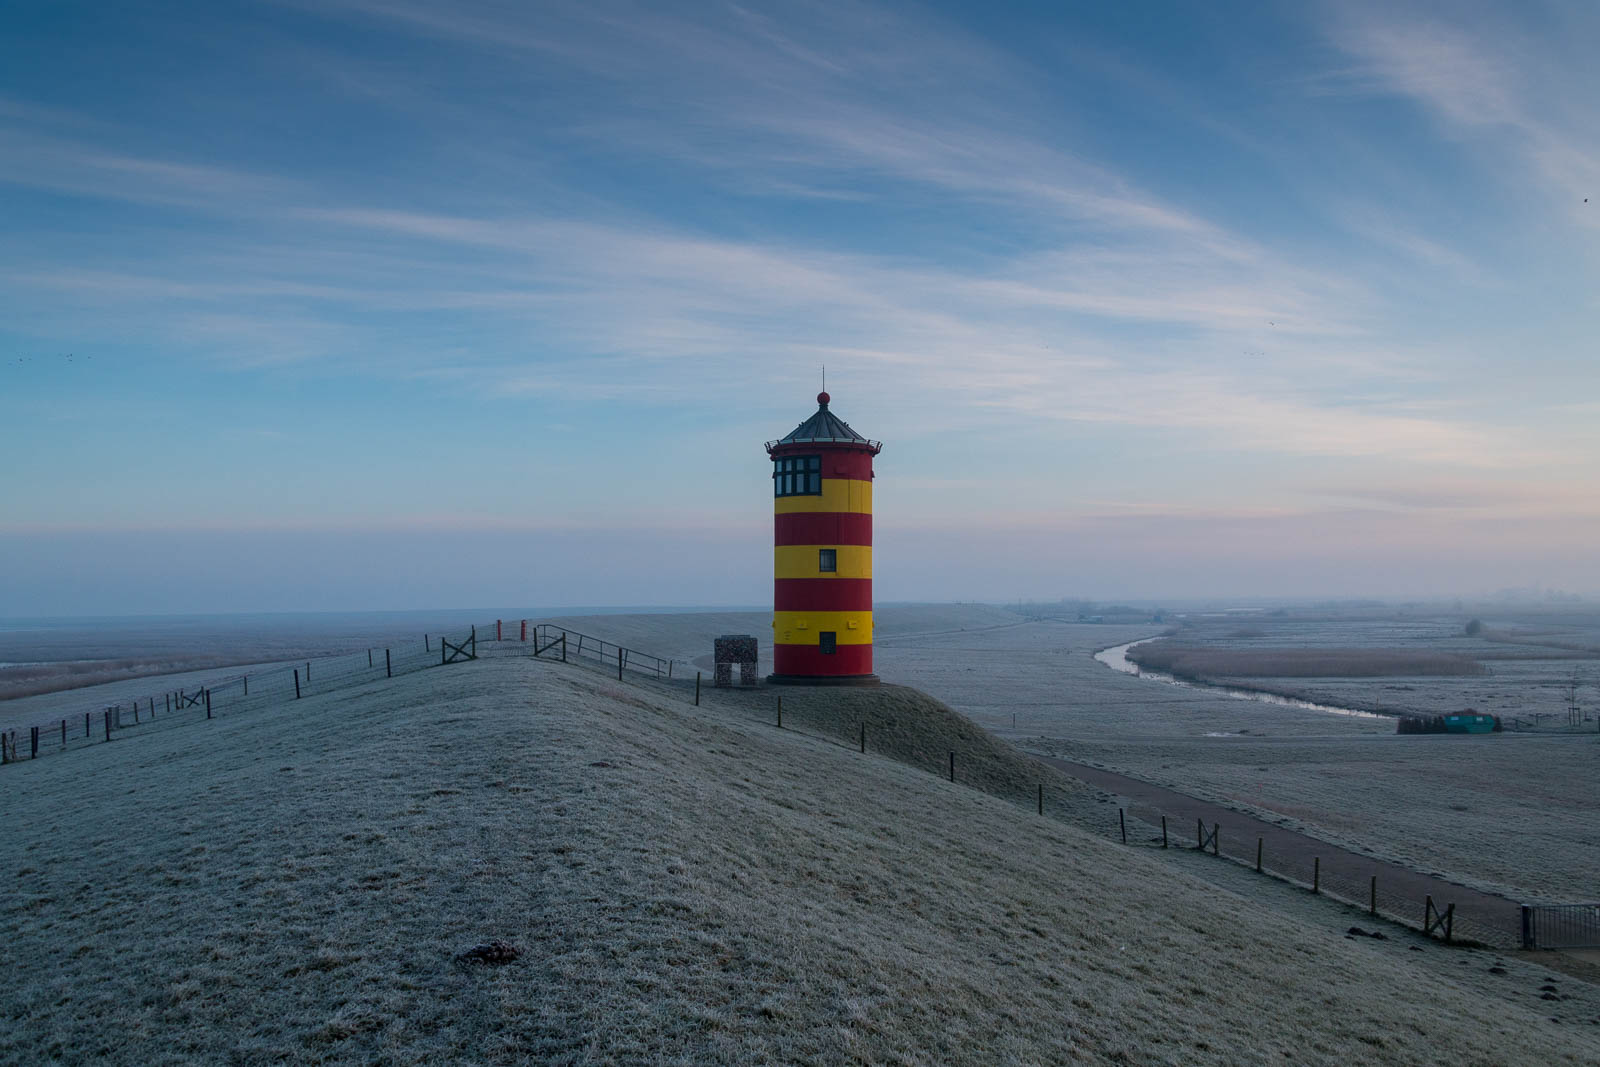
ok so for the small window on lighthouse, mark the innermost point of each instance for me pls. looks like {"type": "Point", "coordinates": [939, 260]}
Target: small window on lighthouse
{"type": "Point", "coordinates": [828, 642]}
{"type": "Point", "coordinates": [797, 476]}
{"type": "Point", "coordinates": [828, 560]}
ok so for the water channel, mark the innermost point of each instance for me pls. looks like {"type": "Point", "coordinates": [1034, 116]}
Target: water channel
{"type": "Point", "coordinates": [1117, 659]}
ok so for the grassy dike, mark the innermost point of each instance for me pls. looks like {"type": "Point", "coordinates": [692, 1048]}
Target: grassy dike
{"type": "Point", "coordinates": [686, 885]}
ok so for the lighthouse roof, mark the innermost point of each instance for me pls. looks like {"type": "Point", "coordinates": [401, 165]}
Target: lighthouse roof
{"type": "Point", "coordinates": [824, 428]}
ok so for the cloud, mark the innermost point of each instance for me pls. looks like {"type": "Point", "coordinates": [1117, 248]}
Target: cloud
{"type": "Point", "coordinates": [1483, 79]}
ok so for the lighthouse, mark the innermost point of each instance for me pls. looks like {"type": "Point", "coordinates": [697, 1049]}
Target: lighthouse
{"type": "Point", "coordinates": [822, 553]}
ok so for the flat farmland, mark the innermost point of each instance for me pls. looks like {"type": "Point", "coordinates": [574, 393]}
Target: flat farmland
{"type": "Point", "coordinates": [1510, 813]}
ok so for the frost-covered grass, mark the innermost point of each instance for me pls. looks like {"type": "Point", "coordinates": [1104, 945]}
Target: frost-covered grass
{"type": "Point", "coordinates": [1511, 814]}
{"type": "Point", "coordinates": [686, 886]}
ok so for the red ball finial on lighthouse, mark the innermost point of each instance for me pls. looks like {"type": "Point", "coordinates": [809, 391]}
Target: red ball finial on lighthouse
{"type": "Point", "coordinates": [822, 398]}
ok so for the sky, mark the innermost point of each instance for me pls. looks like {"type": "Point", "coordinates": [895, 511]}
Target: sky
{"type": "Point", "coordinates": [390, 304]}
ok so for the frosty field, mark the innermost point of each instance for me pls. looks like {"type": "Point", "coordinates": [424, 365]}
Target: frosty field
{"type": "Point", "coordinates": [686, 885]}
{"type": "Point", "coordinates": [1507, 813]}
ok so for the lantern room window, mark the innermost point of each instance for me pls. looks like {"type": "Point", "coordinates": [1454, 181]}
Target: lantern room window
{"type": "Point", "coordinates": [828, 560]}
{"type": "Point", "coordinates": [797, 476]}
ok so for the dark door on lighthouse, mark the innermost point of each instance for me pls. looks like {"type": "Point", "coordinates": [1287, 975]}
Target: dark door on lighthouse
{"type": "Point", "coordinates": [828, 642]}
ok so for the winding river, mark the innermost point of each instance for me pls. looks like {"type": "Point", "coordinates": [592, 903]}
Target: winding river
{"type": "Point", "coordinates": [1117, 659]}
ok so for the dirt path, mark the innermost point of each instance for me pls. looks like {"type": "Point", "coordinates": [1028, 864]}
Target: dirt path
{"type": "Point", "coordinates": [1345, 874]}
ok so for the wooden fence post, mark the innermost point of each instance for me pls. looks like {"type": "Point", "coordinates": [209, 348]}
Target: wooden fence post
{"type": "Point", "coordinates": [1041, 798]}
{"type": "Point", "coordinates": [369, 657]}
{"type": "Point", "coordinates": [619, 664]}
{"type": "Point", "coordinates": [1216, 839]}
{"type": "Point", "coordinates": [388, 668]}
{"type": "Point", "coordinates": [1122, 822]}
{"type": "Point", "coordinates": [297, 683]}
{"type": "Point", "coordinates": [780, 711]}
{"type": "Point", "coordinates": [564, 659]}
{"type": "Point", "coordinates": [247, 679]}
{"type": "Point", "coordinates": [308, 672]}
{"type": "Point", "coordinates": [86, 725]}
{"type": "Point", "coordinates": [33, 752]}
{"type": "Point", "coordinates": [524, 636]}
{"type": "Point", "coordinates": [208, 703]}
{"type": "Point", "coordinates": [952, 765]}
{"type": "Point", "coordinates": [63, 733]}
{"type": "Point", "coordinates": [1258, 855]}
{"type": "Point", "coordinates": [5, 751]}
{"type": "Point", "coordinates": [863, 737]}
{"type": "Point", "coordinates": [497, 629]}
{"type": "Point", "coordinates": [169, 709]}
{"type": "Point", "coordinates": [1163, 831]}
{"type": "Point", "coordinates": [1373, 899]}
{"type": "Point", "coordinates": [136, 713]}
{"type": "Point", "coordinates": [1200, 834]}
{"type": "Point", "coordinates": [426, 647]}
{"type": "Point", "coordinates": [696, 673]}
{"type": "Point", "coordinates": [1316, 874]}
{"type": "Point", "coordinates": [108, 724]}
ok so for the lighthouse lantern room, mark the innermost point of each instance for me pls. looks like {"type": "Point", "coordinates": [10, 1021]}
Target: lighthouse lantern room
{"type": "Point", "coordinates": [822, 554]}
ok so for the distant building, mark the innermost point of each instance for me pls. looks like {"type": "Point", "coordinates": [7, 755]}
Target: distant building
{"type": "Point", "coordinates": [822, 554]}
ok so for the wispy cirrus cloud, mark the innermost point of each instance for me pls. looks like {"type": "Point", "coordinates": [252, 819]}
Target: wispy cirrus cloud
{"type": "Point", "coordinates": [1483, 79]}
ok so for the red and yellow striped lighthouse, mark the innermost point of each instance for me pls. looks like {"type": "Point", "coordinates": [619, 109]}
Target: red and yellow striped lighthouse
{"type": "Point", "coordinates": [822, 555]}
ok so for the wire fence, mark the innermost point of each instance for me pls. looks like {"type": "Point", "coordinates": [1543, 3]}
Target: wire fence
{"type": "Point", "coordinates": [242, 693]}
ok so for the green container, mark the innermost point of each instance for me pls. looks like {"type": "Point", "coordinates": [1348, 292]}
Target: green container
{"type": "Point", "coordinates": [1469, 724]}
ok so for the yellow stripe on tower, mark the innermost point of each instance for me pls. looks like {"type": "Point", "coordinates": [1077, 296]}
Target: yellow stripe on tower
{"type": "Point", "coordinates": [802, 627]}
{"type": "Point", "coordinates": [838, 494]}
{"type": "Point", "coordinates": [801, 561]}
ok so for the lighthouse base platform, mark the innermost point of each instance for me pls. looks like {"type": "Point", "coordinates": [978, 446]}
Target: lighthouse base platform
{"type": "Point", "coordinates": [824, 679]}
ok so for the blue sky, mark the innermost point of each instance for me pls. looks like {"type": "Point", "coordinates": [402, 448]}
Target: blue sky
{"type": "Point", "coordinates": [390, 304]}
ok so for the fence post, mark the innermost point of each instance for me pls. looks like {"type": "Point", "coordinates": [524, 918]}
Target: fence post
{"type": "Point", "coordinates": [1216, 839]}
{"type": "Point", "coordinates": [1200, 834]}
{"type": "Point", "coordinates": [86, 724]}
{"type": "Point", "coordinates": [63, 733]}
{"type": "Point", "coordinates": [136, 713]}
{"type": "Point", "coordinates": [108, 724]}
{"type": "Point", "coordinates": [1527, 926]}
{"type": "Point", "coordinates": [952, 765]}
{"type": "Point", "coordinates": [33, 752]}
{"type": "Point", "coordinates": [208, 703]}
{"type": "Point", "coordinates": [297, 683]}
{"type": "Point", "coordinates": [1427, 912]}
{"type": "Point", "coordinates": [1163, 831]}
{"type": "Point", "coordinates": [696, 676]}
{"type": "Point", "coordinates": [497, 629]}
{"type": "Point", "coordinates": [619, 664]}
{"type": "Point", "coordinates": [780, 711]}
{"type": "Point", "coordinates": [247, 680]}
{"type": "Point", "coordinates": [1316, 874]}
{"type": "Point", "coordinates": [524, 636]}
{"type": "Point", "coordinates": [169, 709]}
{"type": "Point", "coordinates": [473, 641]}
{"type": "Point", "coordinates": [388, 668]}
{"type": "Point", "coordinates": [369, 657]}
{"type": "Point", "coordinates": [5, 751]}
{"type": "Point", "coordinates": [1372, 905]}
{"type": "Point", "coordinates": [1041, 798]}
{"type": "Point", "coordinates": [1258, 855]}
{"type": "Point", "coordinates": [669, 670]}
{"type": "Point", "coordinates": [1122, 823]}
{"type": "Point", "coordinates": [426, 647]}
{"type": "Point", "coordinates": [863, 738]}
